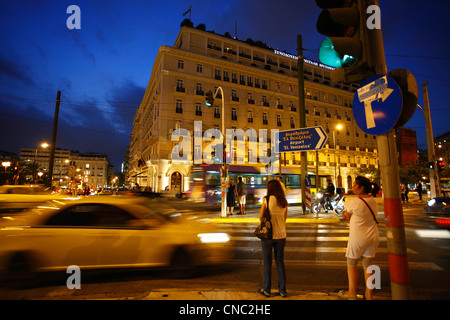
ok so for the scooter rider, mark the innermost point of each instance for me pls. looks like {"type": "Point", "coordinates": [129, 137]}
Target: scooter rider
{"type": "Point", "coordinates": [329, 193]}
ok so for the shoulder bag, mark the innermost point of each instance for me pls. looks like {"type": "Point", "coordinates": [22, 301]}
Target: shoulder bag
{"type": "Point", "coordinates": [373, 215]}
{"type": "Point", "coordinates": [264, 230]}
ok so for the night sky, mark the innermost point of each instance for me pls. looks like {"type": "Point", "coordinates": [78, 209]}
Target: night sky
{"type": "Point", "coordinates": [103, 68]}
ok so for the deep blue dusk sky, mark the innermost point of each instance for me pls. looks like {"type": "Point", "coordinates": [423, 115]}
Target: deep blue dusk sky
{"type": "Point", "coordinates": [103, 69]}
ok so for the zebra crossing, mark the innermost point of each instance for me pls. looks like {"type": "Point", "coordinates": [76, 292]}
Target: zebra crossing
{"type": "Point", "coordinates": [311, 245]}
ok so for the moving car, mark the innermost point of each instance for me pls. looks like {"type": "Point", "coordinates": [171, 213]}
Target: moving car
{"type": "Point", "coordinates": [438, 210]}
{"type": "Point", "coordinates": [107, 232]}
{"type": "Point", "coordinates": [15, 199]}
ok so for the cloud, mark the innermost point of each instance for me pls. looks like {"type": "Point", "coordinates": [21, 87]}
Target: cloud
{"type": "Point", "coordinates": [13, 70]}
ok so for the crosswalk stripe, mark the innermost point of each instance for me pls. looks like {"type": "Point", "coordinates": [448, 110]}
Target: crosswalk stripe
{"type": "Point", "coordinates": [316, 249]}
{"type": "Point", "coordinates": [340, 264]}
{"type": "Point", "coordinates": [237, 238]}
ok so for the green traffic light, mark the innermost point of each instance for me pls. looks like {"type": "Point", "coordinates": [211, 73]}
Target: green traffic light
{"type": "Point", "coordinates": [329, 56]}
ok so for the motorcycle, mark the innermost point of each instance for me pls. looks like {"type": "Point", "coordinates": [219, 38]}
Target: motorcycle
{"type": "Point", "coordinates": [336, 203]}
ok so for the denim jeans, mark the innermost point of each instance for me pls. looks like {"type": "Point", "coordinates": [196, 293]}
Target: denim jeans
{"type": "Point", "coordinates": [278, 247]}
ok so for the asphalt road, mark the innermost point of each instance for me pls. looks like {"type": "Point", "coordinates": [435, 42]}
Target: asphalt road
{"type": "Point", "coordinates": [314, 258]}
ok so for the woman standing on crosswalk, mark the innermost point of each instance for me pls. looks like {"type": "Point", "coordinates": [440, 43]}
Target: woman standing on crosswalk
{"type": "Point", "coordinates": [278, 207]}
{"type": "Point", "coordinates": [363, 237]}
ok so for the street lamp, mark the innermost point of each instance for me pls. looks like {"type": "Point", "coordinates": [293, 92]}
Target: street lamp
{"type": "Point", "coordinates": [43, 145]}
{"type": "Point", "coordinates": [338, 127]}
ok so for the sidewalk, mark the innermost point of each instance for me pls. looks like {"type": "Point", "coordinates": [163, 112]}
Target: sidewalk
{"type": "Point", "coordinates": [234, 294]}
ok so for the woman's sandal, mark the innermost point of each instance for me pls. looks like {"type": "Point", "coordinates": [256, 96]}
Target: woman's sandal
{"type": "Point", "coordinates": [341, 294]}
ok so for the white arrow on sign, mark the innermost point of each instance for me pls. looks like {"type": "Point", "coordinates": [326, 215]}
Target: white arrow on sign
{"type": "Point", "coordinates": [373, 91]}
{"type": "Point", "coordinates": [321, 139]}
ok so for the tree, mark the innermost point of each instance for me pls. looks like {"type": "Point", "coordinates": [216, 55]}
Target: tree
{"type": "Point", "coordinates": [201, 26]}
{"type": "Point", "coordinates": [412, 172]}
{"type": "Point", "coordinates": [187, 23]}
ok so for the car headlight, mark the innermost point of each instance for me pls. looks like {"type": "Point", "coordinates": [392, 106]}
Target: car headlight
{"type": "Point", "coordinates": [431, 202]}
{"type": "Point", "coordinates": [213, 237]}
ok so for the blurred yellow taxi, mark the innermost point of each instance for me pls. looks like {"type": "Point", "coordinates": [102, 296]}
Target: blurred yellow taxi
{"type": "Point", "coordinates": [107, 232]}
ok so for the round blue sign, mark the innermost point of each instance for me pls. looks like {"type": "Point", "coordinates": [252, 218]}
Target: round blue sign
{"type": "Point", "coordinates": [377, 104]}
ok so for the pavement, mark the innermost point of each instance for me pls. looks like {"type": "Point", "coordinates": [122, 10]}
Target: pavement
{"type": "Point", "coordinates": [295, 215]}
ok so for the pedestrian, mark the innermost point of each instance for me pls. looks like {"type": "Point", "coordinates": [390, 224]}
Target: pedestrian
{"type": "Point", "coordinates": [278, 207]}
{"type": "Point", "coordinates": [241, 195]}
{"type": "Point", "coordinates": [375, 189]}
{"type": "Point", "coordinates": [406, 192]}
{"type": "Point", "coordinates": [363, 236]}
{"type": "Point", "coordinates": [402, 189]}
{"type": "Point", "coordinates": [419, 189]}
{"type": "Point", "coordinates": [74, 188]}
{"type": "Point", "coordinates": [231, 196]}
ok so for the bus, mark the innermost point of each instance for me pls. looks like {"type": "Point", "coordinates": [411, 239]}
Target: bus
{"type": "Point", "coordinates": [205, 183]}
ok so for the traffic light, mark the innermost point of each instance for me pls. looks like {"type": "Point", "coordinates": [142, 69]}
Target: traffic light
{"type": "Point", "coordinates": [209, 98]}
{"type": "Point", "coordinates": [430, 165]}
{"type": "Point", "coordinates": [440, 165]}
{"type": "Point", "coordinates": [346, 47]}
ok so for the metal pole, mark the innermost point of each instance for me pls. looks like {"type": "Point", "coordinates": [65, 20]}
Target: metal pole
{"type": "Point", "coordinates": [302, 117]}
{"type": "Point", "coordinates": [434, 178]}
{"type": "Point", "coordinates": [223, 212]}
{"type": "Point", "coordinates": [396, 240]}
{"type": "Point", "coordinates": [52, 150]}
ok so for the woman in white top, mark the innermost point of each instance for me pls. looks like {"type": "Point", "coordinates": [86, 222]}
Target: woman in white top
{"type": "Point", "coordinates": [278, 212]}
{"type": "Point", "coordinates": [363, 237]}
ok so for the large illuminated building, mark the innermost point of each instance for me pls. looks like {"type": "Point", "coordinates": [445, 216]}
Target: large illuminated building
{"type": "Point", "coordinates": [260, 88]}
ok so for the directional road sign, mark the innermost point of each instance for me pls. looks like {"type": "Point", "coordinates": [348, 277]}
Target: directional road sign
{"type": "Point", "coordinates": [303, 139]}
{"type": "Point", "coordinates": [377, 104]}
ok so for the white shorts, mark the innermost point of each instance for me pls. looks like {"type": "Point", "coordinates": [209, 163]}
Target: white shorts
{"type": "Point", "coordinates": [241, 199]}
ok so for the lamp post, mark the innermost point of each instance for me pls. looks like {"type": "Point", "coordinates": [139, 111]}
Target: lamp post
{"type": "Point", "coordinates": [43, 145]}
{"type": "Point", "coordinates": [338, 127]}
{"type": "Point", "coordinates": [223, 212]}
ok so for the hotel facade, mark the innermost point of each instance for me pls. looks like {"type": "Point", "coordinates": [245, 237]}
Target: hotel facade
{"type": "Point", "coordinates": [260, 91]}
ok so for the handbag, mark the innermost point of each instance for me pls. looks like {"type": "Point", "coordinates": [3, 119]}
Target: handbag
{"type": "Point", "coordinates": [373, 215]}
{"type": "Point", "coordinates": [265, 230]}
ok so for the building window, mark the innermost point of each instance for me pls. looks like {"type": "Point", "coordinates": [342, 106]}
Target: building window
{"type": "Point", "coordinates": [233, 114]}
{"type": "Point", "coordinates": [241, 79]}
{"type": "Point", "coordinates": [292, 123]}
{"type": "Point", "coordinates": [217, 74]}
{"type": "Point", "coordinates": [250, 116]}
{"type": "Point", "coordinates": [217, 112]}
{"type": "Point", "coordinates": [180, 87]}
{"type": "Point", "coordinates": [233, 77]}
{"type": "Point", "coordinates": [234, 96]}
{"type": "Point", "coordinates": [279, 120]}
{"type": "Point", "coordinates": [199, 89]}
{"type": "Point", "coordinates": [180, 64]}
{"type": "Point", "coordinates": [199, 68]}
{"type": "Point", "coordinates": [265, 121]}
{"type": "Point", "coordinates": [179, 107]}
{"type": "Point", "coordinates": [198, 109]}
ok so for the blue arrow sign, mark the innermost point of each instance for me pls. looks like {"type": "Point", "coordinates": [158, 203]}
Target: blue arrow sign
{"type": "Point", "coordinates": [377, 104]}
{"type": "Point", "coordinates": [304, 139]}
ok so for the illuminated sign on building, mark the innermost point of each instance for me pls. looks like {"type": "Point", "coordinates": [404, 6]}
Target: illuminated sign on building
{"type": "Point", "coordinates": [314, 63]}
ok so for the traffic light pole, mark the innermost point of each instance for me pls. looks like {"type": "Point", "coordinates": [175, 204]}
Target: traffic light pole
{"type": "Point", "coordinates": [396, 240]}
{"type": "Point", "coordinates": [301, 107]}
